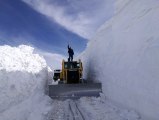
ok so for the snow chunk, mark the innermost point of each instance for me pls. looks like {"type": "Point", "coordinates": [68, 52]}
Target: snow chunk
{"type": "Point", "coordinates": [20, 59]}
{"type": "Point", "coordinates": [22, 74]}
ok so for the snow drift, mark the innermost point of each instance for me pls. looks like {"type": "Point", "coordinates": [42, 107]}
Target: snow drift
{"type": "Point", "coordinates": [23, 78]}
{"type": "Point", "coordinates": [124, 56]}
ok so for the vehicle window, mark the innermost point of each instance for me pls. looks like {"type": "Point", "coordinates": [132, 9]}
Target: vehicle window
{"type": "Point", "coordinates": [65, 66]}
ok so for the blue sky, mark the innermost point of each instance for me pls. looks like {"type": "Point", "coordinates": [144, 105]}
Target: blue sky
{"type": "Point", "coordinates": [49, 25]}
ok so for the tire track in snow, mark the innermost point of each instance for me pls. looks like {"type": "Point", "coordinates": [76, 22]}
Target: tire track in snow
{"type": "Point", "coordinates": [75, 111]}
{"type": "Point", "coordinates": [80, 111]}
{"type": "Point", "coordinates": [72, 113]}
{"type": "Point", "coordinates": [67, 110]}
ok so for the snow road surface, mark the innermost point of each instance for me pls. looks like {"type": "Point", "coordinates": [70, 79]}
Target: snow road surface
{"type": "Point", "coordinates": [66, 110]}
{"type": "Point", "coordinates": [89, 108]}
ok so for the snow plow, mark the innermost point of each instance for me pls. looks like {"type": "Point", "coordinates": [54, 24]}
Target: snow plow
{"type": "Point", "coordinates": [71, 83]}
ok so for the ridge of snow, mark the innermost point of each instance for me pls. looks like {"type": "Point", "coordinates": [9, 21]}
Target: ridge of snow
{"type": "Point", "coordinates": [123, 55]}
{"type": "Point", "coordinates": [23, 79]}
{"type": "Point", "coordinates": [20, 59]}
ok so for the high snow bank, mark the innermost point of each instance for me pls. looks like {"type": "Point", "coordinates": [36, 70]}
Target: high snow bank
{"type": "Point", "coordinates": [23, 75]}
{"type": "Point", "coordinates": [124, 55]}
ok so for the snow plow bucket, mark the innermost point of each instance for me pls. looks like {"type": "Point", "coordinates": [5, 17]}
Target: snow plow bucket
{"type": "Point", "coordinates": [75, 90]}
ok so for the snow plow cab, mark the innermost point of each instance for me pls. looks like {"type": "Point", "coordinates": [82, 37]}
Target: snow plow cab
{"type": "Point", "coordinates": [71, 82]}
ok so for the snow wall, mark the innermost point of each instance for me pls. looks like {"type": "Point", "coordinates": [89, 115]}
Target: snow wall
{"type": "Point", "coordinates": [23, 75]}
{"type": "Point", "coordinates": [124, 56]}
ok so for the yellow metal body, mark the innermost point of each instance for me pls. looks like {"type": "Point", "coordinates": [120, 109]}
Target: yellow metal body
{"type": "Point", "coordinates": [76, 70]}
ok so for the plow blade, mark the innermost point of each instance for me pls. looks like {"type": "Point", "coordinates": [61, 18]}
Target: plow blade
{"type": "Point", "coordinates": [75, 90]}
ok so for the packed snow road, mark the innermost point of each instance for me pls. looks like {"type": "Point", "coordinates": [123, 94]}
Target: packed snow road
{"type": "Point", "coordinates": [89, 108]}
{"type": "Point", "coordinates": [76, 113]}
{"type": "Point", "coordinates": [67, 110]}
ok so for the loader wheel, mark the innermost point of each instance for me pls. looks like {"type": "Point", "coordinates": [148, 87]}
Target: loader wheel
{"type": "Point", "coordinates": [81, 80]}
{"type": "Point", "coordinates": [60, 82]}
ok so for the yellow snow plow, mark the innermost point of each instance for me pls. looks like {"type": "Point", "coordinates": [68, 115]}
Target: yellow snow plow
{"type": "Point", "coordinates": [71, 82]}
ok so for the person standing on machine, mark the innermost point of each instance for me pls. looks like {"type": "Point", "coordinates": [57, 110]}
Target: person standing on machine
{"type": "Point", "coordinates": [70, 53]}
